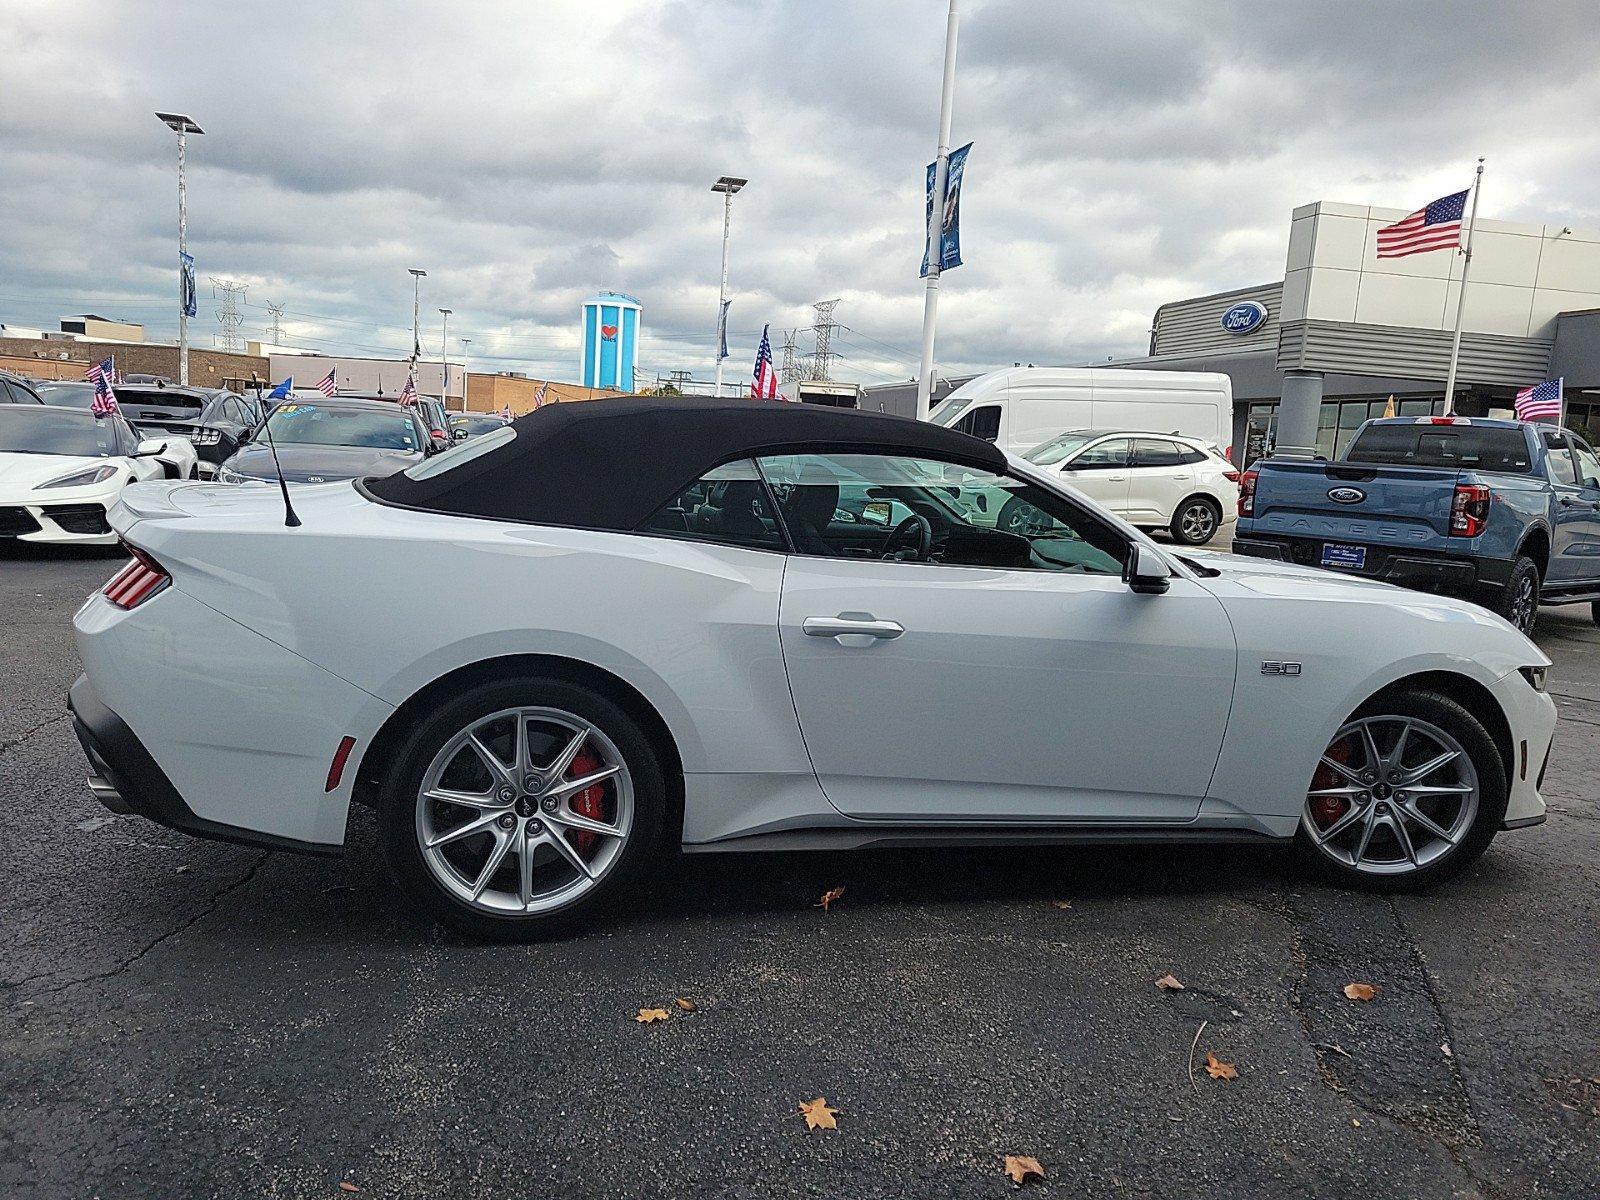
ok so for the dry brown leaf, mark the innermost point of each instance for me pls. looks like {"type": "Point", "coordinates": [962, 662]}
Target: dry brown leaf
{"type": "Point", "coordinates": [1169, 983]}
{"type": "Point", "coordinates": [685, 1004]}
{"type": "Point", "coordinates": [1063, 903]}
{"type": "Point", "coordinates": [818, 1115]}
{"type": "Point", "coordinates": [1360, 991]}
{"type": "Point", "coordinates": [1218, 1069]}
{"type": "Point", "coordinates": [828, 897]}
{"type": "Point", "coordinates": [346, 1186]}
{"type": "Point", "coordinates": [1020, 1167]}
{"type": "Point", "coordinates": [647, 1015]}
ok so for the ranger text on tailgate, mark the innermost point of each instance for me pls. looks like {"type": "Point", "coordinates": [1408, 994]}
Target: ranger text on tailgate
{"type": "Point", "coordinates": [1505, 512]}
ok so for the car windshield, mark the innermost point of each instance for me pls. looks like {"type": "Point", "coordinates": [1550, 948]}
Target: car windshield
{"type": "Point", "coordinates": [1424, 444]}
{"type": "Point", "coordinates": [476, 425]}
{"type": "Point", "coordinates": [69, 395]}
{"type": "Point", "coordinates": [1059, 449]}
{"type": "Point", "coordinates": [332, 425]}
{"type": "Point", "coordinates": [148, 397]}
{"type": "Point", "coordinates": [41, 430]}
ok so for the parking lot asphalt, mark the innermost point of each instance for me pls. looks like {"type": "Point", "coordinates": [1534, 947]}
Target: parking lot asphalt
{"type": "Point", "coordinates": [185, 1018]}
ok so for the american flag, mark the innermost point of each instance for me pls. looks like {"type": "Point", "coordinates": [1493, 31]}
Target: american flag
{"type": "Point", "coordinates": [505, 412]}
{"type": "Point", "coordinates": [325, 385]}
{"type": "Point", "coordinates": [1542, 402]}
{"type": "Point", "coordinates": [106, 369]}
{"type": "Point", "coordinates": [764, 384]}
{"type": "Point", "coordinates": [105, 400]}
{"type": "Point", "coordinates": [538, 393]}
{"type": "Point", "coordinates": [408, 394]}
{"type": "Point", "coordinates": [1436, 227]}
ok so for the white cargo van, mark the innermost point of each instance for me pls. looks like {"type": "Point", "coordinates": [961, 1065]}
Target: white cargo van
{"type": "Point", "coordinates": [1022, 407]}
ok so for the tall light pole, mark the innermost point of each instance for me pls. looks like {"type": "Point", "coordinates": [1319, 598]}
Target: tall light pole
{"type": "Point", "coordinates": [417, 277]}
{"type": "Point", "coordinates": [182, 126]}
{"type": "Point", "coordinates": [465, 342]}
{"type": "Point", "coordinates": [444, 357]}
{"type": "Point", "coordinates": [727, 185]}
{"type": "Point", "coordinates": [941, 177]}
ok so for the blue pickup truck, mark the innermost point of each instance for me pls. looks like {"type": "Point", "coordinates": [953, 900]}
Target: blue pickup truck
{"type": "Point", "coordinates": [1504, 512]}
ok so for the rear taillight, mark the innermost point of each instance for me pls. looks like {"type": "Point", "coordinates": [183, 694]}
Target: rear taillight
{"type": "Point", "coordinates": [1231, 476]}
{"type": "Point", "coordinates": [1469, 509]}
{"type": "Point", "coordinates": [1247, 494]}
{"type": "Point", "coordinates": [136, 582]}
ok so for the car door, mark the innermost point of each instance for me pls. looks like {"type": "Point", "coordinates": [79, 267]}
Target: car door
{"type": "Point", "coordinates": [1100, 471]}
{"type": "Point", "coordinates": [1158, 480]}
{"type": "Point", "coordinates": [999, 676]}
{"type": "Point", "coordinates": [1583, 549]}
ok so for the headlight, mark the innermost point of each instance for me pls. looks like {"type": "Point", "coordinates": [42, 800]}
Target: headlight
{"type": "Point", "coordinates": [1535, 676]}
{"type": "Point", "coordinates": [80, 478]}
{"type": "Point", "coordinates": [225, 475]}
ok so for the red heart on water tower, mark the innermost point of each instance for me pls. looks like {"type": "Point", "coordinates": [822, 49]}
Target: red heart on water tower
{"type": "Point", "coordinates": [608, 332]}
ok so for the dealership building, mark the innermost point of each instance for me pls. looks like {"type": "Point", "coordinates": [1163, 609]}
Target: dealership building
{"type": "Point", "coordinates": [1344, 330]}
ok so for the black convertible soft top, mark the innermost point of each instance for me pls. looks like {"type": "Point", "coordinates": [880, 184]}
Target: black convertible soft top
{"type": "Point", "coordinates": [610, 464]}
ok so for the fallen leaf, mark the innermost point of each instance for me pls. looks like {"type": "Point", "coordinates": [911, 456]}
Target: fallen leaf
{"type": "Point", "coordinates": [1218, 1069]}
{"type": "Point", "coordinates": [818, 1115]}
{"type": "Point", "coordinates": [1444, 1048]}
{"type": "Point", "coordinates": [346, 1186]}
{"type": "Point", "coordinates": [1359, 991]}
{"type": "Point", "coordinates": [686, 1005]}
{"type": "Point", "coordinates": [1063, 903]}
{"type": "Point", "coordinates": [647, 1015]}
{"type": "Point", "coordinates": [1355, 1122]}
{"type": "Point", "coordinates": [828, 897]}
{"type": "Point", "coordinates": [1169, 983]}
{"type": "Point", "coordinates": [1021, 1166]}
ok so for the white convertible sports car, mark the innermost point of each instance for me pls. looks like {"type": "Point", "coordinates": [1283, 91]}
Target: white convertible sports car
{"type": "Point", "coordinates": [61, 470]}
{"type": "Point", "coordinates": [746, 626]}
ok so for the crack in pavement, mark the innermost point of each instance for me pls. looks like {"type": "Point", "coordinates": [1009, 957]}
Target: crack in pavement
{"type": "Point", "coordinates": [97, 976]}
{"type": "Point", "coordinates": [31, 730]}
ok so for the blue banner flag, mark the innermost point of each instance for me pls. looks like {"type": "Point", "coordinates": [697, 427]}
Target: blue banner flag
{"type": "Point", "coordinates": [281, 392]}
{"type": "Point", "coordinates": [722, 330]}
{"type": "Point", "coordinates": [950, 218]}
{"type": "Point", "coordinates": [186, 276]}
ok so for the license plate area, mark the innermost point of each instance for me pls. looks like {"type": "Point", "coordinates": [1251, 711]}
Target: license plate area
{"type": "Point", "coordinates": [1344, 558]}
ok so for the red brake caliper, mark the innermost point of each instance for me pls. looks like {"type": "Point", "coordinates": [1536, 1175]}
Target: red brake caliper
{"type": "Point", "coordinates": [589, 802]}
{"type": "Point", "coordinates": [1325, 810]}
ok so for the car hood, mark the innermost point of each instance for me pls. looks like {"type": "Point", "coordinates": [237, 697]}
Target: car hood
{"type": "Point", "coordinates": [319, 464]}
{"type": "Point", "coordinates": [24, 472]}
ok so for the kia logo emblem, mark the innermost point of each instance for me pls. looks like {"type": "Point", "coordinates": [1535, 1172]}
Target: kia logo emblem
{"type": "Point", "coordinates": [1344, 495]}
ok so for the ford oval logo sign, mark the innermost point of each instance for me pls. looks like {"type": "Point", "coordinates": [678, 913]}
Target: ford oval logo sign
{"type": "Point", "coordinates": [1247, 316]}
{"type": "Point", "coordinates": [1346, 495]}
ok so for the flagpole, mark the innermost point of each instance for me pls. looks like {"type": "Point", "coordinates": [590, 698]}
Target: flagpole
{"type": "Point", "coordinates": [941, 178]}
{"type": "Point", "coordinates": [1461, 297]}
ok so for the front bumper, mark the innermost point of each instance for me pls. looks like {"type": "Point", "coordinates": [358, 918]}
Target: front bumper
{"type": "Point", "coordinates": [78, 522]}
{"type": "Point", "coordinates": [1531, 717]}
{"type": "Point", "coordinates": [126, 779]}
{"type": "Point", "coordinates": [1423, 572]}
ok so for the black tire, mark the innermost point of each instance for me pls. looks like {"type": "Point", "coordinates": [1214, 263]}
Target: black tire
{"type": "Point", "coordinates": [1013, 515]}
{"type": "Point", "coordinates": [1493, 796]}
{"type": "Point", "coordinates": [1594, 611]}
{"type": "Point", "coordinates": [1518, 600]}
{"type": "Point", "coordinates": [1196, 521]}
{"type": "Point", "coordinates": [398, 799]}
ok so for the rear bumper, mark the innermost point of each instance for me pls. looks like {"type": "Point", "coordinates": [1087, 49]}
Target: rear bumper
{"type": "Point", "coordinates": [126, 779]}
{"type": "Point", "coordinates": [1409, 568]}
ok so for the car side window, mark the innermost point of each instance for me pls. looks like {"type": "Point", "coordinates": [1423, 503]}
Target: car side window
{"type": "Point", "coordinates": [1188, 455]}
{"type": "Point", "coordinates": [1558, 453]}
{"type": "Point", "coordinates": [1588, 464]}
{"type": "Point", "coordinates": [917, 510]}
{"type": "Point", "coordinates": [1156, 452]}
{"type": "Point", "coordinates": [727, 506]}
{"type": "Point", "coordinates": [1103, 456]}
{"type": "Point", "coordinates": [982, 422]}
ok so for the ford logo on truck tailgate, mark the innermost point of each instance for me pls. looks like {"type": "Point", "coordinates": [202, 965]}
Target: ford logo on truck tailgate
{"type": "Point", "coordinates": [1345, 495]}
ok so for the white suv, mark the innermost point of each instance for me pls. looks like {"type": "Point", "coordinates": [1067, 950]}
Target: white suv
{"type": "Point", "coordinates": [1152, 480]}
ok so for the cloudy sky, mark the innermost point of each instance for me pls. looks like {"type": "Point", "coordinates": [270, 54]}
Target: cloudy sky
{"type": "Point", "coordinates": [530, 152]}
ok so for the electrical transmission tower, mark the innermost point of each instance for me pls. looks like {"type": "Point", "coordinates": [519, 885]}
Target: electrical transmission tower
{"type": "Point", "coordinates": [823, 326]}
{"type": "Point", "coordinates": [790, 371]}
{"type": "Point", "coordinates": [275, 330]}
{"type": "Point", "coordinates": [678, 381]}
{"type": "Point", "coordinates": [228, 316]}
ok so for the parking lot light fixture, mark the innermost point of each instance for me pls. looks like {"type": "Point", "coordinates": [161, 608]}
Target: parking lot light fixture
{"type": "Point", "coordinates": [444, 357]}
{"type": "Point", "coordinates": [465, 375]}
{"type": "Point", "coordinates": [727, 185]}
{"type": "Point", "coordinates": [183, 126]}
{"type": "Point", "coordinates": [417, 276]}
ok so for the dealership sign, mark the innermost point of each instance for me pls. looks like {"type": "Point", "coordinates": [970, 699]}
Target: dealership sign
{"type": "Point", "coordinates": [1247, 316]}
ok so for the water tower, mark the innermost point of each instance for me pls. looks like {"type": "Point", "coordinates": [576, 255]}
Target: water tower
{"type": "Point", "coordinates": [610, 341]}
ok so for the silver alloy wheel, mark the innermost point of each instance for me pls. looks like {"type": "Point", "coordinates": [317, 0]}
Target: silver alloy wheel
{"type": "Point", "coordinates": [502, 790]}
{"type": "Point", "coordinates": [1199, 522]}
{"type": "Point", "coordinates": [1402, 794]}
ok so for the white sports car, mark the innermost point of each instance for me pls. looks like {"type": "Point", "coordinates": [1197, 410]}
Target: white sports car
{"type": "Point", "coordinates": [62, 469]}
{"type": "Point", "coordinates": [747, 626]}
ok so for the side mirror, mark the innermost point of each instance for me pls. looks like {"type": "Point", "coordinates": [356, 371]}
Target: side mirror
{"type": "Point", "coordinates": [438, 441]}
{"type": "Point", "coordinates": [1146, 572]}
{"type": "Point", "coordinates": [149, 448]}
{"type": "Point", "coordinates": [459, 435]}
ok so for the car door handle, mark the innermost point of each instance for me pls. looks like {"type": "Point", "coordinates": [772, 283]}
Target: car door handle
{"type": "Point", "coordinates": [841, 627]}
{"type": "Point", "coordinates": [1574, 502]}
